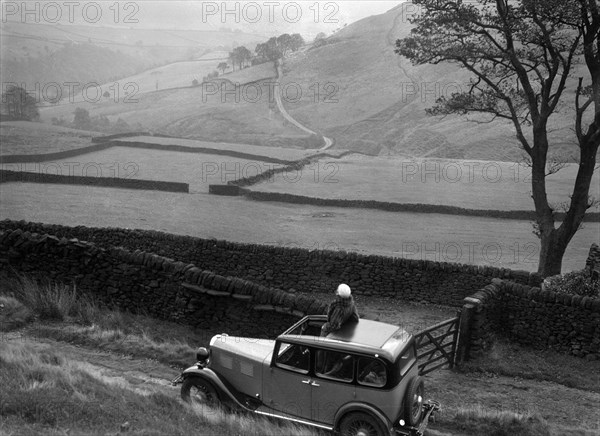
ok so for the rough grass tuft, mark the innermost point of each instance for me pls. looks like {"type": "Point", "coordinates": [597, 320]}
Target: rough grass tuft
{"type": "Point", "coordinates": [13, 314]}
{"type": "Point", "coordinates": [54, 301]}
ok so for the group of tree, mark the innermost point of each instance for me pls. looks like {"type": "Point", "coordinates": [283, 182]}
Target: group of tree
{"type": "Point", "coordinates": [522, 55]}
{"type": "Point", "coordinates": [240, 56]}
{"type": "Point", "coordinates": [278, 47]}
{"type": "Point", "coordinates": [271, 50]}
{"type": "Point", "coordinates": [18, 104]}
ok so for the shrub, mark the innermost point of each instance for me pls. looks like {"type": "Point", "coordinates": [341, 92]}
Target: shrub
{"type": "Point", "coordinates": [574, 283]}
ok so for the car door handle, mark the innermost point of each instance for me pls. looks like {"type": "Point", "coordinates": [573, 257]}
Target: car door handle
{"type": "Point", "coordinates": [315, 384]}
{"type": "Point", "coordinates": [306, 381]}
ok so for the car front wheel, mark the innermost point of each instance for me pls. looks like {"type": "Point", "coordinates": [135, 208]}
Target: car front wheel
{"type": "Point", "coordinates": [362, 424]}
{"type": "Point", "coordinates": [198, 391]}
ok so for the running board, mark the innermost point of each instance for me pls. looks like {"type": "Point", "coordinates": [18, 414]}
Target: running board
{"type": "Point", "coordinates": [293, 419]}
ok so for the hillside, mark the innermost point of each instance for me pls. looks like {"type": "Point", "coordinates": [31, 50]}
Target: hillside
{"type": "Point", "coordinates": [61, 53]}
{"type": "Point", "coordinates": [379, 98]}
{"type": "Point", "coordinates": [353, 88]}
{"type": "Point", "coordinates": [227, 109]}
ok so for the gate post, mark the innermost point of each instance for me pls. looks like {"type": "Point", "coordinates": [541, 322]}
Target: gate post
{"type": "Point", "coordinates": [464, 333]}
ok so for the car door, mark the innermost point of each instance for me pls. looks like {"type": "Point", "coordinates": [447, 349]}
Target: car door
{"type": "Point", "coordinates": [332, 385]}
{"type": "Point", "coordinates": [286, 383]}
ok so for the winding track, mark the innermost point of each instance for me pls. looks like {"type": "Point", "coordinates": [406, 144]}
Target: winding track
{"type": "Point", "coordinates": [287, 116]}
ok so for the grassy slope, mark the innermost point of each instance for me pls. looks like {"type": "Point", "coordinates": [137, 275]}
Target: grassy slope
{"type": "Point", "coordinates": [199, 112]}
{"type": "Point", "coordinates": [50, 387]}
{"type": "Point", "coordinates": [416, 236]}
{"type": "Point", "coordinates": [377, 110]}
{"type": "Point", "coordinates": [37, 52]}
{"type": "Point", "coordinates": [25, 137]}
{"type": "Point", "coordinates": [102, 384]}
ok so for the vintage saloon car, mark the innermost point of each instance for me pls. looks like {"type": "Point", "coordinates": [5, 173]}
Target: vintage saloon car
{"type": "Point", "coordinates": [360, 380]}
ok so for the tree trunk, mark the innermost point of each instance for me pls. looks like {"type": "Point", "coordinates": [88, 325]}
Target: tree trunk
{"type": "Point", "coordinates": [551, 254]}
{"type": "Point", "coordinates": [554, 242]}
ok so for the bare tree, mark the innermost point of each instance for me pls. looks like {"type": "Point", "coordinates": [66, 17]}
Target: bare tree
{"type": "Point", "coordinates": [520, 54]}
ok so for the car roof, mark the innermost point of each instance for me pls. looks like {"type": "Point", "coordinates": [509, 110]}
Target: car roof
{"type": "Point", "coordinates": [365, 336]}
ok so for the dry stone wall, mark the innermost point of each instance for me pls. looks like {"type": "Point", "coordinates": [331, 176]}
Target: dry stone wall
{"type": "Point", "coordinates": [162, 287]}
{"type": "Point", "coordinates": [111, 182]}
{"type": "Point", "coordinates": [296, 269]}
{"type": "Point", "coordinates": [541, 319]}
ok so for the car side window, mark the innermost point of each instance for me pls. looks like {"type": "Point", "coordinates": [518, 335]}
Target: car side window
{"type": "Point", "coordinates": [335, 365]}
{"type": "Point", "coordinates": [294, 357]}
{"type": "Point", "coordinates": [371, 372]}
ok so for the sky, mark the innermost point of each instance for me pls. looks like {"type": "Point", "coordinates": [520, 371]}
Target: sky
{"type": "Point", "coordinates": [261, 17]}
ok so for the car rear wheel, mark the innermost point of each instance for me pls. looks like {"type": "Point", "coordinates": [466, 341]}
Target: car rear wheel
{"type": "Point", "coordinates": [198, 391]}
{"type": "Point", "coordinates": [362, 424]}
{"type": "Point", "coordinates": [413, 402]}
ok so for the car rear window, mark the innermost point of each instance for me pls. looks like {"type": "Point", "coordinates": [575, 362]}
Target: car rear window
{"type": "Point", "coordinates": [371, 372]}
{"type": "Point", "coordinates": [407, 360]}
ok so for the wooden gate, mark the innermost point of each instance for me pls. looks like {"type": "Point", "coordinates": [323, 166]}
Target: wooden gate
{"type": "Point", "coordinates": [436, 345]}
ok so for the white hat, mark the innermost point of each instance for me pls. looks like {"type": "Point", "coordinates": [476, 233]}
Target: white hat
{"type": "Point", "coordinates": [343, 290]}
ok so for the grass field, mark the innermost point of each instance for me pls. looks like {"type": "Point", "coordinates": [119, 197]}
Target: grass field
{"type": "Point", "coordinates": [481, 241]}
{"type": "Point", "coordinates": [176, 75]}
{"type": "Point", "coordinates": [467, 184]}
{"type": "Point", "coordinates": [180, 75]}
{"type": "Point", "coordinates": [198, 170]}
{"type": "Point", "coordinates": [24, 137]}
{"type": "Point", "coordinates": [275, 152]}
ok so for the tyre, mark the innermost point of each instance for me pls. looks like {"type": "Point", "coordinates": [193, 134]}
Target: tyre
{"type": "Point", "coordinates": [196, 390]}
{"type": "Point", "coordinates": [413, 401]}
{"type": "Point", "coordinates": [362, 424]}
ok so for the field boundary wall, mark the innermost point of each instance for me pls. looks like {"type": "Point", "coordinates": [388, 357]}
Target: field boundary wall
{"type": "Point", "coordinates": [532, 317]}
{"type": "Point", "coordinates": [110, 182]}
{"type": "Point", "coordinates": [162, 287]}
{"type": "Point", "coordinates": [299, 269]}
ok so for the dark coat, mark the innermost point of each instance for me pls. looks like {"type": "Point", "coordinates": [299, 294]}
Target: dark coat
{"type": "Point", "coordinates": [340, 311]}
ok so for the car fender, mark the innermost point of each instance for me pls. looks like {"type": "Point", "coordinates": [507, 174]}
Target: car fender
{"type": "Point", "coordinates": [225, 394]}
{"type": "Point", "coordinates": [360, 407]}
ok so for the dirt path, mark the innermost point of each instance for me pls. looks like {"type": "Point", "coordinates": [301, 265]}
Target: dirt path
{"type": "Point", "coordinates": [141, 375]}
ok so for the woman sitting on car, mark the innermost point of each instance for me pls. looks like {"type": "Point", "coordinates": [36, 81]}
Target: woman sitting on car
{"type": "Point", "coordinates": [341, 310]}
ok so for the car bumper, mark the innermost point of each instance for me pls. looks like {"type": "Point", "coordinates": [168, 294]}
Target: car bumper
{"type": "Point", "coordinates": [430, 407]}
{"type": "Point", "coordinates": [177, 380]}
